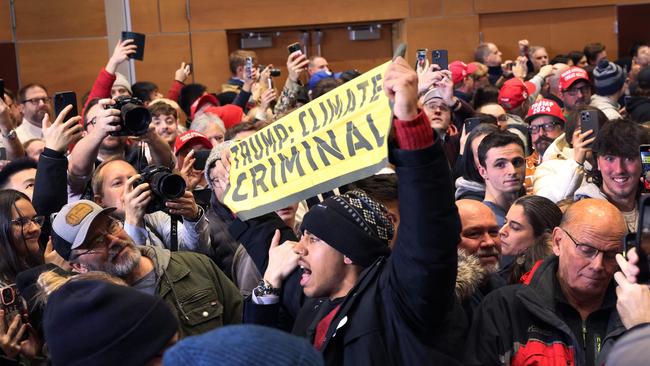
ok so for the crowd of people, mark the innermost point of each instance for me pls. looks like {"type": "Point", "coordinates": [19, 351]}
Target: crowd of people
{"type": "Point", "coordinates": [495, 235]}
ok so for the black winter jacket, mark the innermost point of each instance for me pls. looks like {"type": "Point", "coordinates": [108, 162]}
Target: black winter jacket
{"type": "Point", "coordinates": [402, 310]}
{"type": "Point", "coordinates": [521, 325]}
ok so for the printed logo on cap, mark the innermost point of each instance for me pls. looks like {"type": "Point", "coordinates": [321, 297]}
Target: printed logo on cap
{"type": "Point", "coordinates": [78, 213]}
{"type": "Point", "coordinates": [543, 106]}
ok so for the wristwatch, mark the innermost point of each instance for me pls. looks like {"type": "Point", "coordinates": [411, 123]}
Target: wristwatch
{"type": "Point", "coordinates": [11, 135]}
{"type": "Point", "coordinates": [264, 288]}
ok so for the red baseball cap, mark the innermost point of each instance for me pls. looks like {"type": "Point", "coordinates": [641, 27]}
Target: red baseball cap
{"type": "Point", "coordinates": [544, 107]}
{"type": "Point", "coordinates": [572, 75]}
{"type": "Point", "coordinates": [459, 70]}
{"type": "Point", "coordinates": [230, 114]}
{"type": "Point", "coordinates": [202, 100]}
{"type": "Point", "coordinates": [191, 137]}
{"type": "Point", "coordinates": [513, 93]}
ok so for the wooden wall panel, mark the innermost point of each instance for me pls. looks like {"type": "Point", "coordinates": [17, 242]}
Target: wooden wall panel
{"type": "Point", "coordinates": [5, 22]}
{"type": "Point", "coordinates": [425, 8]}
{"type": "Point", "coordinates": [559, 30]}
{"type": "Point", "coordinates": [210, 57]}
{"type": "Point", "coordinates": [209, 14]}
{"type": "Point", "coordinates": [38, 19]}
{"type": "Point", "coordinates": [173, 16]}
{"type": "Point", "coordinates": [343, 54]}
{"type": "Point", "coordinates": [457, 7]}
{"type": "Point", "coordinates": [62, 65]}
{"type": "Point", "coordinates": [459, 35]}
{"type": "Point", "coordinates": [502, 6]}
{"type": "Point", "coordinates": [163, 55]}
{"type": "Point", "coordinates": [144, 16]}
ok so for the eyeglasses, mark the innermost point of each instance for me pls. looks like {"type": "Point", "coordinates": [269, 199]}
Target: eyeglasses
{"type": "Point", "coordinates": [584, 90]}
{"type": "Point", "coordinates": [36, 101]}
{"type": "Point", "coordinates": [24, 221]}
{"type": "Point", "coordinates": [101, 241]}
{"type": "Point", "coordinates": [547, 127]}
{"type": "Point", "coordinates": [433, 106]}
{"type": "Point", "coordinates": [590, 252]}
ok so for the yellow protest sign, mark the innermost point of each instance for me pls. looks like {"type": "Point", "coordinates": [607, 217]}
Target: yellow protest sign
{"type": "Point", "coordinates": [335, 139]}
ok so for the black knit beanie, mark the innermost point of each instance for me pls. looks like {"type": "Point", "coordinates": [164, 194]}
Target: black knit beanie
{"type": "Point", "coordinates": [352, 223]}
{"type": "Point", "coordinates": [98, 323]}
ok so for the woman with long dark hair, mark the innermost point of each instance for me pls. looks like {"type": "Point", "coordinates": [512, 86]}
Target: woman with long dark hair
{"type": "Point", "coordinates": [526, 234]}
{"type": "Point", "coordinates": [20, 228]}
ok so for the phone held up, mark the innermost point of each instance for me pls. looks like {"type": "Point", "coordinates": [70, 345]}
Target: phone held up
{"type": "Point", "coordinates": [589, 121]}
{"type": "Point", "coordinates": [62, 100]}
{"type": "Point", "coordinates": [641, 239]}
{"type": "Point", "coordinates": [440, 58]}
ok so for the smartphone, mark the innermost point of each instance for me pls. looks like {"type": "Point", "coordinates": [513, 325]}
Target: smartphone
{"type": "Point", "coordinates": [62, 99]}
{"type": "Point", "coordinates": [524, 51]}
{"type": "Point", "coordinates": [200, 156]}
{"type": "Point", "coordinates": [138, 40]}
{"type": "Point", "coordinates": [471, 122]}
{"type": "Point", "coordinates": [440, 58]}
{"type": "Point", "coordinates": [3, 153]}
{"type": "Point", "coordinates": [643, 239]}
{"type": "Point", "coordinates": [294, 47]}
{"type": "Point", "coordinates": [13, 304]}
{"type": "Point", "coordinates": [626, 101]}
{"type": "Point", "coordinates": [421, 58]}
{"type": "Point", "coordinates": [644, 151]}
{"type": "Point", "coordinates": [2, 89]}
{"type": "Point", "coordinates": [191, 67]}
{"type": "Point", "coordinates": [248, 69]}
{"type": "Point", "coordinates": [589, 121]}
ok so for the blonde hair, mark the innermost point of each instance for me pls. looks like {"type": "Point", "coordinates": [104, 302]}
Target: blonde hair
{"type": "Point", "coordinates": [50, 281]}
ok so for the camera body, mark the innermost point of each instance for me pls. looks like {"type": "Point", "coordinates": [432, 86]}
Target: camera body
{"type": "Point", "coordinates": [135, 118]}
{"type": "Point", "coordinates": [164, 184]}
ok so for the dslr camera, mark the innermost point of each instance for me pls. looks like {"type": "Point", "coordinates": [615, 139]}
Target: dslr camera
{"type": "Point", "coordinates": [164, 184]}
{"type": "Point", "coordinates": [135, 118]}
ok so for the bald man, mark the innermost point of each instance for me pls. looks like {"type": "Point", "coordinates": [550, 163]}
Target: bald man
{"type": "Point", "coordinates": [567, 313]}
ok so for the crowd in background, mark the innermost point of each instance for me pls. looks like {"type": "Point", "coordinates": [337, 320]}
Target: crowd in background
{"type": "Point", "coordinates": [494, 236]}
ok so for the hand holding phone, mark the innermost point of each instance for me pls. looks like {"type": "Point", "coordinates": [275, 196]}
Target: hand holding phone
{"type": "Point", "coordinates": [294, 47]}
{"type": "Point", "coordinates": [62, 100]}
{"type": "Point", "coordinates": [440, 58]}
{"type": "Point", "coordinates": [138, 40]}
{"type": "Point", "coordinates": [589, 121]}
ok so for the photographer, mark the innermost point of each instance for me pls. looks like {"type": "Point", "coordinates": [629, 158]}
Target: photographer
{"type": "Point", "coordinates": [99, 145]}
{"type": "Point", "coordinates": [113, 186]}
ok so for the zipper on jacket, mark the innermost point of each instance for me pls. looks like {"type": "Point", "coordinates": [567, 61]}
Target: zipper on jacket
{"type": "Point", "coordinates": [584, 335]}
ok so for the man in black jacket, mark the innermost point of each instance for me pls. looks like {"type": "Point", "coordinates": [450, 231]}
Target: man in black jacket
{"type": "Point", "coordinates": [365, 305]}
{"type": "Point", "coordinates": [567, 313]}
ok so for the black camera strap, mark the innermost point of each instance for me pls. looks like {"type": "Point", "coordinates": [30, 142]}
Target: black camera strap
{"type": "Point", "coordinates": [173, 234]}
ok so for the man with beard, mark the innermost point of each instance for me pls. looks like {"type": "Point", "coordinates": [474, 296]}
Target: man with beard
{"type": "Point", "coordinates": [618, 168]}
{"type": "Point", "coordinates": [502, 166]}
{"type": "Point", "coordinates": [546, 124]}
{"type": "Point", "coordinates": [99, 145]}
{"type": "Point", "coordinates": [575, 89]}
{"type": "Point", "coordinates": [199, 294]}
{"type": "Point", "coordinates": [34, 103]}
{"type": "Point", "coordinates": [479, 237]}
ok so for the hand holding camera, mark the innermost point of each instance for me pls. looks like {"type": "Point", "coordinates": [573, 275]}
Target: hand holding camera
{"type": "Point", "coordinates": [192, 176]}
{"type": "Point", "coordinates": [106, 121]}
{"type": "Point", "coordinates": [184, 206]}
{"type": "Point", "coordinates": [60, 134]}
{"type": "Point", "coordinates": [163, 186]}
{"type": "Point", "coordinates": [136, 199]}
{"type": "Point", "coordinates": [268, 96]}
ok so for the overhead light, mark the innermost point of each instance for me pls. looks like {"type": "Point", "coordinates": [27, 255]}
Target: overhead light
{"type": "Point", "coordinates": [364, 32]}
{"type": "Point", "coordinates": [256, 40]}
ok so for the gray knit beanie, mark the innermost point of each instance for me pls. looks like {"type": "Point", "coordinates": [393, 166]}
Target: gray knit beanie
{"type": "Point", "coordinates": [608, 78]}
